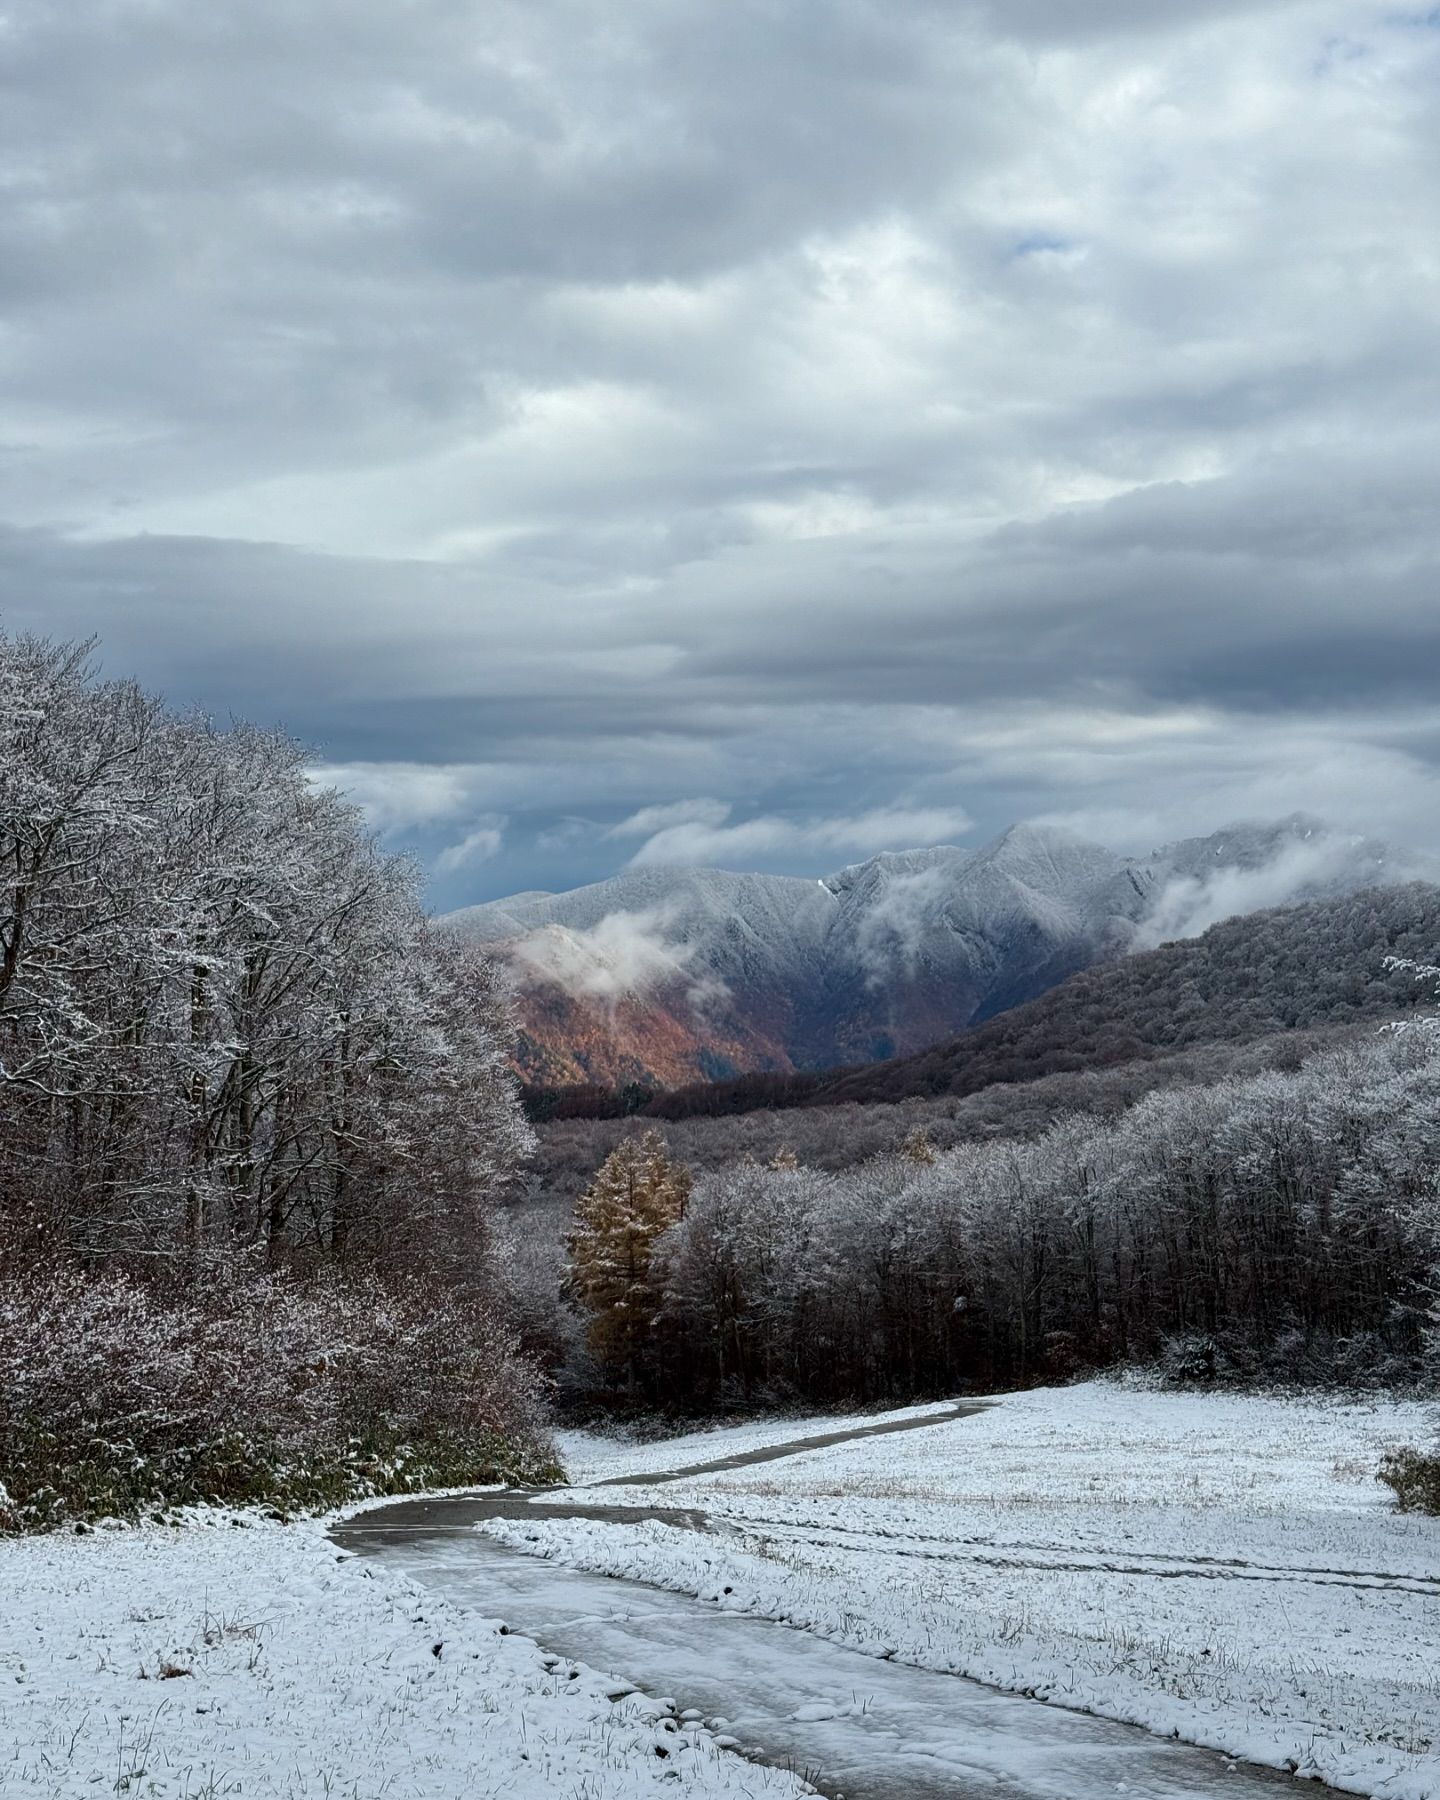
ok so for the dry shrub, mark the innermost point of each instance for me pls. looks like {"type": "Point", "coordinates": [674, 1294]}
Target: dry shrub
{"type": "Point", "coordinates": [1414, 1477]}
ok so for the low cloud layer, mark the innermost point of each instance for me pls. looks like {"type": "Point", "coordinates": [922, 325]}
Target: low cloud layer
{"type": "Point", "coordinates": [1188, 905]}
{"type": "Point", "coordinates": [553, 415]}
{"type": "Point", "coordinates": [627, 955]}
{"type": "Point", "coordinates": [890, 938]}
{"type": "Point", "coordinates": [482, 841]}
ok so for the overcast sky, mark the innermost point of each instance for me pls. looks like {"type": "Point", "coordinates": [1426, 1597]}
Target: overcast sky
{"type": "Point", "coordinates": [751, 432]}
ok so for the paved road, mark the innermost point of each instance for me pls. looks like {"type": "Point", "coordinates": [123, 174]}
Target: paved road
{"type": "Point", "coordinates": [854, 1725]}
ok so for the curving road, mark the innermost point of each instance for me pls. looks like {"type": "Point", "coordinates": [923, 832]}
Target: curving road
{"type": "Point", "coordinates": [854, 1725]}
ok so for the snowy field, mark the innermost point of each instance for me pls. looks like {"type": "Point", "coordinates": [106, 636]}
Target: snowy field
{"type": "Point", "coordinates": [1223, 1569]}
{"type": "Point", "coordinates": [589, 1458]}
{"type": "Point", "coordinates": [256, 1662]}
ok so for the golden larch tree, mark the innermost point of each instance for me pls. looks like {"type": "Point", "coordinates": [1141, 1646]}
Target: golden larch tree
{"type": "Point", "coordinates": [637, 1194]}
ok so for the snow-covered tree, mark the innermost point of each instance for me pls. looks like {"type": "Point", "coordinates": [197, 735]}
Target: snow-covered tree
{"type": "Point", "coordinates": [226, 1025]}
{"type": "Point", "coordinates": [1283, 1222]}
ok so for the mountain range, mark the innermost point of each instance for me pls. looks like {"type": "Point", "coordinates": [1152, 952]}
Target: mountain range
{"type": "Point", "coordinates": [665, 976]}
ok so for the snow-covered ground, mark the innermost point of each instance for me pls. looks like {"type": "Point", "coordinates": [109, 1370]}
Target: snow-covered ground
{"type": "Point", "coordinates": [1224, 1569]}
{"type": "Point", "coordinates": [257, 1662]}
{"type": "Point", "coordinates": [589, 1457]}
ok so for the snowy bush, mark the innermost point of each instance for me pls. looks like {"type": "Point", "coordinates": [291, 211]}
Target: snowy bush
{"type": "Point", "coordinates": [1191, 1359]}
{"type": "Point", "coordinates": [118, 1395]}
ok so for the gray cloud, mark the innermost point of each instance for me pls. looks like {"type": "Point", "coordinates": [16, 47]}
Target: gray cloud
{"type": "Point", "coordinates": [558, 413]}
{"type": "Point", "coordinates": [716, 839]}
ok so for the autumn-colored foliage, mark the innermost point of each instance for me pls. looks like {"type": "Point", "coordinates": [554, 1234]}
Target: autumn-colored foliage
{"type": "Point", "coordinates": [638, 1193]}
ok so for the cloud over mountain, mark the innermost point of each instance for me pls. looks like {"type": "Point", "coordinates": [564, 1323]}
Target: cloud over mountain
{"type": "Point", "coordinates": [683, 834]}
{"type": "Point", "coordinates": [675, 973]}
{"type": "Point", "coordinates": [624, 955]}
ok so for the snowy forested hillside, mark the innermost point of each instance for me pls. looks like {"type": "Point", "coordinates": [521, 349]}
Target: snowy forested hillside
{"type": "Point", "coordinates": [1319, 967]}
{"type": "Point", "coordinates": [1288, 976]}
{"type": "Point", "coordinates": [1271, 1225]}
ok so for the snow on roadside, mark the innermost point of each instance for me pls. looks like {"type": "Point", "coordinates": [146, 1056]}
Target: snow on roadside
{"type": "Point", "coordinates": [588, 1457]}
{"type": "Point", "coordinates": [217, 1660]}
{"type": "Point", "coordinates": [1220, 1568]}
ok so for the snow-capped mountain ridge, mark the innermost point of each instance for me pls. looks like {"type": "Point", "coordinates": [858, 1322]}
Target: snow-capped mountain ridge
{"type": "Point", "coordinates": [675, 974]}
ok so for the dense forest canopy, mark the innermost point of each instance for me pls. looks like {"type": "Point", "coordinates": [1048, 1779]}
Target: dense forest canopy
{"type": "Point", "coordinates": [1282, 1225]}
{"type": "Point", "coordinates": [225, 1023]}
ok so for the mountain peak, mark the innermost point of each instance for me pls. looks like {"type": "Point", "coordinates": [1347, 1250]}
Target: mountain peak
{"type": "Point", "coordinates": [1036, 831]}
{"type": "Point", "coordinates": [894, 863]}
